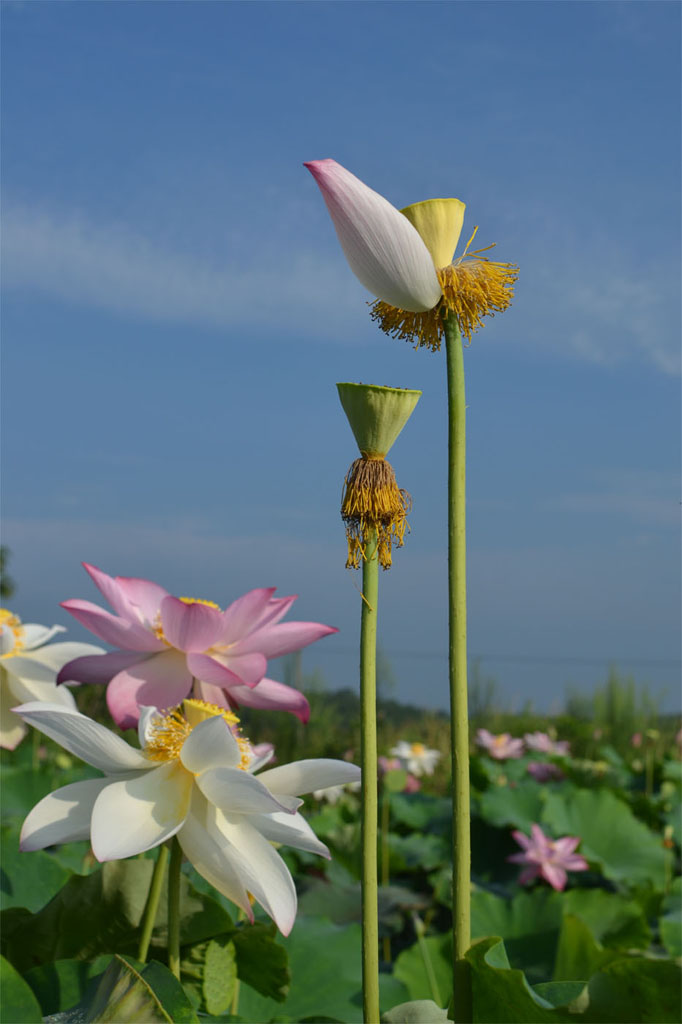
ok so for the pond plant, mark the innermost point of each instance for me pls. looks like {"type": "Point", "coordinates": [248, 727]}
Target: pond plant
{"type": "Point", "coordinates": [189, 872]}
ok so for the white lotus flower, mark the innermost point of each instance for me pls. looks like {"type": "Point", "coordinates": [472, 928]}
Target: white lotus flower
{"type": "Point", "coordinates": [29, 665]}
{"type": "Point", "coordinates": [192, 778]}
{"type": "Point", "coordinates": [416, 758]}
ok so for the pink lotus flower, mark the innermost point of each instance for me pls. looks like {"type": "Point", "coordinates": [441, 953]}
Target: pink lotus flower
{"type": "Point", "coordinates": [547, 858]}
{"type": "Point", "coordinates": [500, 747]}
{"type": "Point", "coordinates": [542, 771]}
{"type": "Point", "coordinates": [544, 744]}
{"type": "Point", "coordinates": [167, 644]}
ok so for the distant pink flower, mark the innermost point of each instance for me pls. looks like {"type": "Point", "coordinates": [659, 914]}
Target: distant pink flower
{"type": "Point", "coordinates": [500, 747]}
{"type": "Point", "coordinates": [636, 739]}
{"type": "Point", "coordinates": [544, 744]}
{"type": "Point", "coordinates": [543, 771]}
{"type": "Point", "coordinates": [388, 764]}
{"type": "Point", "coordinates": [412, 785]}
{"type": "Point", "coordinates": [168, 643]}
{"type": "Point", "coordinates": [547, 858]}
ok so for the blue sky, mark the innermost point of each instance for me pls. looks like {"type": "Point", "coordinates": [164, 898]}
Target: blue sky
{"type": "Point", "coordinates": [176, 311]}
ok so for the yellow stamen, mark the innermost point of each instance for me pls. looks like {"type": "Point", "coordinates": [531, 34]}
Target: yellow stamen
{"type": "Point", "coordinates": [418, 749]}
{"type": "Point", "coordinates": [373, 501]}
{"type": "Point", "coordinates": [12, 622]}
{"type": "Point", "coordinates": [199, 600]}
{"type": "Point", "coordinates": [473, 287]}
{"type": "Point", "coordinates": [167, 736]}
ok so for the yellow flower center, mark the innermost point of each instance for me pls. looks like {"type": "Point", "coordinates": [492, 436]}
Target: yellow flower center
{"type": "Point", "coordinates": [199, 600]}
{"type": "Point", "coordinates": [11, 621]}
{"type": "Point", "coordinates": [168, 734]}
{"type": "Point", "coordinates": [418, 749]}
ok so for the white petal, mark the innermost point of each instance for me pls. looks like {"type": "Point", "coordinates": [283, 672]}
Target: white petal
{"type": "Point", "coordinates": [210, 743]}
{"type": "Point", "coordinates": [84, 738]}
{"type": "Point", "coordinates": [26, 690]}
{"type": "Point", "coordinates": [35, 635]}
{"type": "Point", "coordinates": [12, 729]}
{"type": "Point", "coordinates": [7, 641]}
{"type": "Point", "coordinates": [139, 813]}
{"type": "Point", "coordinates": [237, 792]}
{"type": "Point", "coordinates": [205, 848]}
{"type": "Point", "coordinates": [305, 776]}
{"type": "Point", "coordinates": [62, 816]}
{"type": "Point", "coordinates": [55, 656]}
{"type": "Point", "coordinates": [291, 830]}
{"type": "Point", "coordinates": [25, 666]}
{"type": "Point", "coordinates": [384, 251]}
{"type": "Point", "coordinates": [261, 869]}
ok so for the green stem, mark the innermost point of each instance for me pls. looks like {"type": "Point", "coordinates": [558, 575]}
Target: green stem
{"type": "Point", "coordinates": [370, 912]}
{"type": "Point", "coordinates": [386, 857]}
{"type": "Point", "coordinates": [461, 839]}
{"type": "Point", "coordinates": [174, 906]}
{"type": "Point", "coordinates": [152, 906]}
{"type": "Point", "coordinates": [426, 958]}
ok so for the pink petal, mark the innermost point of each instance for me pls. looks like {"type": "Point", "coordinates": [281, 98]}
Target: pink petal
{"type": "Point", "coordinates": [98, 668]}
{"type": "Point", "coordinates": [111, 629]}
{"type": "Point", "coordinates": [190, 627]}
{"type": "Point", "coordinates": [529, 874]}
{"type": "Point", "coordinates": [245, 614]}
{"type": "Point", "coordinates": [539, 836]}
{"type": "Point", "coordinates": [555, 875]}
{"type": "Point", "coordinates": [212, 694]}
{"type": "Point", "coordinates": [384, 251]}
{"type": "Point", "coordinates": [221, 670]}
{"type": "Point", "coordinates": [283, 638]}
{"type": "Point", "coordinates": [522, 839]}
{"type": "Point", "coordinates": [162, 681]}
{"type": "Point", "coordinates": [143, 595]}
{"type": "Point", "coordinates": [574, 862]}
{"type": "Point", "coordinates": [110, 589]}
{"type": "Point", "coordinates": [518, 858]}
{"type": "Point", "coordinates": [566, 845]}
{"type": "Point", "coordinates": [273, 696]}
{"type": "Point", "coordinates": [276, 610]}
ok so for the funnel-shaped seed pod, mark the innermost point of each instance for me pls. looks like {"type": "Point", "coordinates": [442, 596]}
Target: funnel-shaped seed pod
{"type": "Point", "coordinates": [372, 501]}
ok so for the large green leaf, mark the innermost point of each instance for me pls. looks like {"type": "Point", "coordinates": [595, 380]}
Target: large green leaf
{"type": "Point", "coordinates": [18, 1004]}
{"type": "Point", "coordinates": [501, 995]}
{"type": "Point", "coordinates": [101, 913]}
{"type": "Point", "coordinates": [419, 1011]}
{"type": "Point", "coordinates": [529, 925]}
{"type": "Point", "coordinates": [64, 983]}
{"type": "Point", "coordinates": [578, 953]}
{"type": "Point", "coordinates": [262, 961]}
{"type": "Point", "coordinates": [519, 807]}
{"type": "Point", "coordinates": [426, 969]}
{"type": "Point", "coordinates": [130, 991]}
{"type": "Point", "coordinates": [28, 879]}
{"type": "Point", "coordinates": [635, 991]}
{"type": "Point", "coordinates": [610, 835]}
{"type": "Point", "coordinates": [422, 812]}
{"type": "Point", "coordinates": [220, 975]}
{"type": "Point", "coordinates": [417, 852]}
{"type": "Point", "coordinates": [614, 920]}
{"type": "Point", "coordinates": [325, 966]}
{"type": "Point", "coordinates": [670, 923]}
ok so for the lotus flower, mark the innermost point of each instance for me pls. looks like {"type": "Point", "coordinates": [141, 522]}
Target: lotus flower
{"type": "Point", "coordinates": [404, 257]}
{"type": "Point", "coordinates": [29, 664]}
{"type": "Point", "coordinates": [499, 747]}
{"type": "Point", "coordinates": [542, 771]}
{"type": "Point", "coordinates": [544, 744]}
{"type": "Point", "coordinates": [416, 758]}
{"type": "Point", "coordinates": [166, 643]}
{"type": "Point", "coordinates": [192, 778]}
{"type": "Point", "coordinates": [547, 858]}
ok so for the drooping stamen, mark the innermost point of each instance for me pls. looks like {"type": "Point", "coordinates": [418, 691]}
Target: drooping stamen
{"type": "Point", "coordinates": [372, 501]}
{"type": "Point", "coordinates": [12, 622]}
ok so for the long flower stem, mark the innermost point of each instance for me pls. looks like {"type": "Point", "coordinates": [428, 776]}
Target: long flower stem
{"type": "Point", "coordinates": [386, 857]}
{"type": "Point", "coordinates": [459, 719]}
{"type": "Point", "coordinates": [152, 906]}
{"type": "Point", "coordinates": [370, 911]}
{"type": "Point", "coordinates": [174, 906]}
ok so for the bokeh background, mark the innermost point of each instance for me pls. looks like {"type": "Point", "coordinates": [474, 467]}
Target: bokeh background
{"type": "Point", "coordinates": [176, 311]}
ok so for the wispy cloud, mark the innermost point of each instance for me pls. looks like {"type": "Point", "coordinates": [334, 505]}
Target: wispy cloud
{"type": "Point", "coordinates": [585, 301]}
{"type": "Point", "coordinates": [116, 268]}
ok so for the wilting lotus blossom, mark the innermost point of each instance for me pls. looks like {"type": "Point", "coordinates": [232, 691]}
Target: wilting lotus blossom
{"type": "Point", "coordinates": [191, 779]}
{"type": "Point", "coordinates": [547, 858]}
{"type": "Point", "coordinates": [501, 747]}
{"type": "Point", "coordinates": [405, 258]}
{"type": "Point", "coordinates": [29, 664]}
{"type": "Point", "coordinates": [415, 757]}
{"type": "Point", "coordinates": [545, 771]}
{"type": "Point", "coordinates": [167, 643]}
{"type": "Point", "coordinates": [544, 744]}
